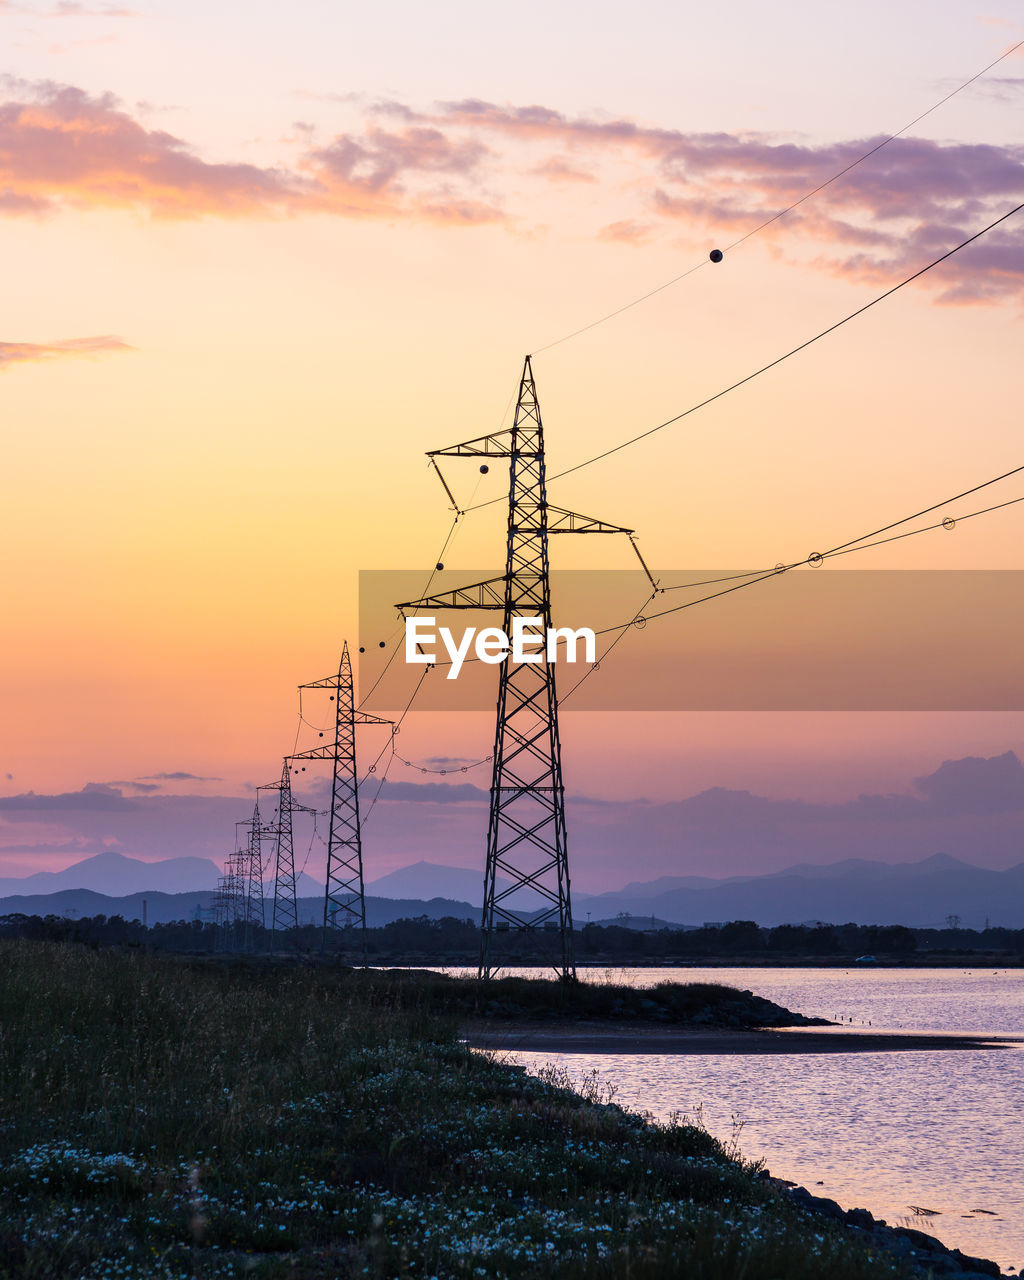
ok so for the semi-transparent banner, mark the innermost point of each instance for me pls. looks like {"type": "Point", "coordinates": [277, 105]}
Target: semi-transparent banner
{"type": "Point", "coordinates": [804, 640]}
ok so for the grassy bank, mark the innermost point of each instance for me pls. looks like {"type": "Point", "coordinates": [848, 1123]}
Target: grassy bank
{"type": "Point", "coordinates": [163, 1117]}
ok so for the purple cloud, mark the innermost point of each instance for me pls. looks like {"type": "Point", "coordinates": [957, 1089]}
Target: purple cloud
{"type": "Point", "coordinates": [179, 775]}
{"type": "Point", "coordinates": [93, 797]}
{"type": "Point", "coordinates": [873, 223]}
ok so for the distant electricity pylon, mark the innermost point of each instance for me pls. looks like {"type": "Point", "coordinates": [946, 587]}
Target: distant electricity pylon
{"type": "Point", "coordinates": [344, 896]}
{"type": "Point", "coordinates": [227, 901]}
{"type": "Point", "coordinates": [239, 898]}
{"type": "Point", "coordinates": [526, 880]}
{"type": "Point", "coordinates": [285, 912]}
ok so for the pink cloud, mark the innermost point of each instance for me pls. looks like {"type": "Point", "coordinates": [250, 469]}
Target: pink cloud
{"type": "Point", "coordinates": [12, 353]}
{"type": "Point", "coordinates": [371, 174]}
{"type": "Point", "coordinates": [381, 157]}
{"type": "Point", "coordinates": [60, 146]}
{"type": "Point", "coordinates": [559, 169]}
{"type": "Point", "coordinates": [67, 147]}
{"type": "Point", "coordinates": [626, 232]}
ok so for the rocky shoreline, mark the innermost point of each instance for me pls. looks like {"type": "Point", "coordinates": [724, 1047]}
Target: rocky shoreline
{"type": "Point", "coordinates": [919, 1249]}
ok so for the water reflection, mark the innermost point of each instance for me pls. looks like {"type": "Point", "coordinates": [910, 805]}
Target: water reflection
{"type": "Point", "coordinates": [886, 1131]}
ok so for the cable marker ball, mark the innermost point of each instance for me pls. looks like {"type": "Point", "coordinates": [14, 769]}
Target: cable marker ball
{"type": "Point", "coordinates": [716, 255]}
{"type": "Point", "coordinates": [381, 645]}
{"type": "Point", "coordinates": [484, 469]}
{"type": "Point", "coordinates": [439, 566]}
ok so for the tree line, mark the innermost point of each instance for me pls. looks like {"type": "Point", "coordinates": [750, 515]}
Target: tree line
{"type": "Point", "coordinates": [454, 939]}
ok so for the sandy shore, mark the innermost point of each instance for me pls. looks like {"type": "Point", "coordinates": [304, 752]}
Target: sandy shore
{"type": "Point", "coordinates": [625, 1038]}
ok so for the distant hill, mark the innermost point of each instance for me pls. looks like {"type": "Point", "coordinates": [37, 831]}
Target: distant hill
{"type": "Point", "coordinates": [430, 879]}
{"type": "Point", "coordinates": [115, 874]}
{"type": "Point", "coordinates": [163, 908]}
{"type": "Point", "coordinates": [919, 894]}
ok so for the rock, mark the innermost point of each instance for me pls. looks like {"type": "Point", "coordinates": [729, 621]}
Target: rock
{"type": "Point", "coordinates": [940, 1264]}
{"type": "Point", "coordinates": [860, 1218]}
{"type": "Point", "coordinates": [817, 1204]}
{"type": "Point", "coordinates": [976, 1266]}
{"type": "Point", "coordinates": [921, 1240]}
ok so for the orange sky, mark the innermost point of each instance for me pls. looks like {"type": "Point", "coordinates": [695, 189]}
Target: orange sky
{"type": "Point", "coordinates": [254, 270]}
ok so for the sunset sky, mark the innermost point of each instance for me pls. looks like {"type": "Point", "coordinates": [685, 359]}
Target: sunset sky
{"type": "Point", "coordinates": [258, 259]}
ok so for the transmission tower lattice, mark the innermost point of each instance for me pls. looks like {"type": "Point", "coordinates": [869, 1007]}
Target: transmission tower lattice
{"type": "Point", "coordinates": [344, 898]}
{"type": "Point", "coordinates": [526, 879]}
{"type": "Point", "coordinates": [227, 902]}
{"type": "Point", "coordinates": [239, 899]}
{"type": "Point", "coordinates": [285, 911]}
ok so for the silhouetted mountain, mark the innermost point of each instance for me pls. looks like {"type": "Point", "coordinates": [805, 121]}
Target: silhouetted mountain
{"type": "Point", "coordinates": [114, 874]}
{"type": "Point", "coordinates": [430, 879]}
{"type": "Point", "coordinates": [880, 870]}
{"type": "Point", "coordinates": [855, 890]}
{"type": "Point", "coordinates": [163, 908]}
{"type": "Point", "coordinates": [919, 894]}
{"type": "Point", "coordinates": [305, 886]}
{"type": "Point", "coordinates": [652, 888]}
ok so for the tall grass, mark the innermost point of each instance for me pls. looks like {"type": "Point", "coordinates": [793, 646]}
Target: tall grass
{"type": "Point", "coordinates": [173, 1118]}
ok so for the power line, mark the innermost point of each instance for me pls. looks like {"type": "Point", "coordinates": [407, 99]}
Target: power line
{"type": "Point", "coordinates": [855, 544]}
{"type": "Point", "coordinates": [816, 558]}
{"type": "Point", "coordinates": [789, 208]}
{"type": "Point", "coordinates": [455, 768]}
{"type": "Point", "coordinates": [985, 484]}
{"type": "Point", "coordinates": [394, 652]}
{"type": "Point", "coordinates": [390, 743]}
{"type": "Point", "coordinates": [607, 453]}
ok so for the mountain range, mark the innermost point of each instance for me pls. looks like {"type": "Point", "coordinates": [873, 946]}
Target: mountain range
{"type": "Point", "coordinates": [921, 894]}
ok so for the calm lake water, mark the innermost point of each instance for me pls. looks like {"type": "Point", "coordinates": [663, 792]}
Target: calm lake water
{"type": "Point", "coordinates": [886, 1131]}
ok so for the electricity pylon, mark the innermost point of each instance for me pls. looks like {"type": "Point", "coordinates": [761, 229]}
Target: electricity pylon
{"type": "Point", "coordinates": [526, 879]}
{"type": "Point", "coordinates": [344, 897]}
{"type": "Point", "coordinates": [285, 912]}
{"type": "Point", "coordinates": [239, 899]}
{"type": "Point", "coordinates": [228, 901]}
{"type": "Point", "coordinates": [255, 911]}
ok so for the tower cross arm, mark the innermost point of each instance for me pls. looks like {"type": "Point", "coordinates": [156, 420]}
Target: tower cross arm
{"type": "Point", "coordinates": [315, 753]}
{"type": "Point", "coordinates": [364, 717]}
{"type": "Point", "coordinates": [562, 521]}
{"type": "Point", "coordinates": [489, 594]}
{"type": "Point", "coordinates": [358, 717]}
{"type": "Point", "coordinates": [329, 750]}
{"type": "Point", "coordinates": [496, 445]}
